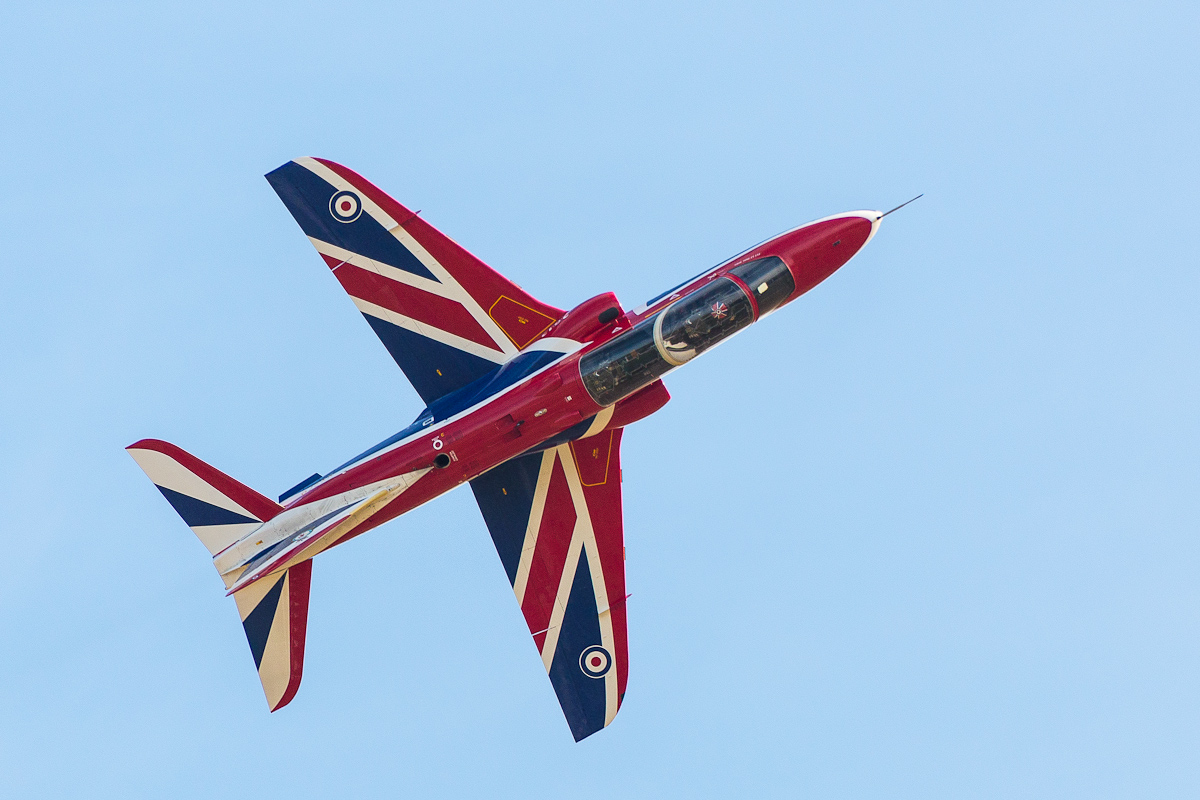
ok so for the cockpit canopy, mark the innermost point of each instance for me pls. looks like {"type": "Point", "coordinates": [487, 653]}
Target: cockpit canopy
{"type": "Point", "coordinates": [684, 330]}
{"type": "Point", "coordinates": [699, 320]}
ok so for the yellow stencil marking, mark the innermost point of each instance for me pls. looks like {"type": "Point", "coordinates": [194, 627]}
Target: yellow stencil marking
{"type": "Point", "coordinates": [596, 454]}
{"type": "Point", "coordinates": [549, 320]}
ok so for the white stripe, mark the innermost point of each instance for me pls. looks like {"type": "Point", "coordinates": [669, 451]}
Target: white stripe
{"type": "Point", "coordinates": [588, 533]}
{"type": "Point", "coordinates": [564, 593]}
{"type": "Point", "coordinates": [275, 668]}
{"type": "Point", "coordinates": [468, 302]}
{"type": "Point", "coordinates": [341, 184]}
{"type": "Point", "coordinates": [536, 510]}
{"type": "Point", "coordinates": [168, 473]}
{"type": "Point", "coordinates": [554, 344]}
{"type": "Point", "coordinates": [443, 424]}
{"type": "Point", "coordinates": [298, 517]}
{"type": "Point", "coordinates": [438, 335]}
{"type": "Point", "coordinates": [387, 271]}
{"type": "Point", "coordinates": [602, 419]}
{"type": "Point", "coordinates": [248, 599]}
{"type": "Point", "coordinates": [873, 216]}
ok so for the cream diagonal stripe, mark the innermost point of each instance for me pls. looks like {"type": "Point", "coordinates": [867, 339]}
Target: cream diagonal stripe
{"type": "Point", "coordinates": [168, 473]}
{"type": "Point", "coordinates": [574, 550]}
{"type": "Point", "coordinates": [588, 534]}
{"type": "Point", "coordinates": [442, 274]}
{"type": "Point", "coordinates": [536, 511]}
{"type": "Point", "coordinates": [600, 422]}
{"type": "Point", "coordinates": [437, 334]}
{"type": "Point", "coordinates": [389, 272]}
{"type": "Point", "coordinates": [248, 599]}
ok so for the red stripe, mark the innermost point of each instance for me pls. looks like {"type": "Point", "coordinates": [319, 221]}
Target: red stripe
{"type": "Point", "coordinates": [550, 554]}
{"type": "Point", "coordinates": [741, 284]}
{"type": "Point", "coordinates": [262, 507]}
{"type": "Point", "coordinates": [604, 505]}
{"type": "Point", "coordinates": [301, 581]}
{"type": "Point", "coordinates": [426, 308]}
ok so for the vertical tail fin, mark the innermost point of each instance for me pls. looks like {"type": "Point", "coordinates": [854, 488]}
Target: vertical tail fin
{"type": "Point", "coordinates": [220, 511]}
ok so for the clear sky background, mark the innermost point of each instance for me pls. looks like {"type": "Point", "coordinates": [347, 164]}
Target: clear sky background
{"type": "Point", "coordinates": [929, 532]}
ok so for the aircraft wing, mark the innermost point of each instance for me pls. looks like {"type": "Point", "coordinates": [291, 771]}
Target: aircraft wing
{"type": "Point", "coordinates": [555, 518]}
{"type": "Point", "coordinates": [443, 315]}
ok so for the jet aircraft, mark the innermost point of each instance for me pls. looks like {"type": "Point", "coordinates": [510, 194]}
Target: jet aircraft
{"type": "Point", "coordinates": [524, 401]}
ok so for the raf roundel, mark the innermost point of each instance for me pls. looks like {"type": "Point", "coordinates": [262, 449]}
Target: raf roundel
{"type": "Point", "coordinates": [345, 206]}
{"type": "Point", "coordinates": [595, 661]}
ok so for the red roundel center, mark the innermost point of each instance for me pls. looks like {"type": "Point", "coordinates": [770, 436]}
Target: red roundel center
{"type": "Point", "coordinates": [345, 206]}
{"type": "Point", "coordinates": [596, 661]}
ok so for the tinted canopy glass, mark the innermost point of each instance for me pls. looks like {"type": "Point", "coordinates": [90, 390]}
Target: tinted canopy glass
{"type": "Point", "coordinates": [769, 280]}
{"type": "Point", "coordinates": [701, 319]}
{"type": "Point", "coordinates": [620, 367]}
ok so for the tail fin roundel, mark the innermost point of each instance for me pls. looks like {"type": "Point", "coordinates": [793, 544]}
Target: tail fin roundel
{"type": "Point", "coordinates": [443, 315]}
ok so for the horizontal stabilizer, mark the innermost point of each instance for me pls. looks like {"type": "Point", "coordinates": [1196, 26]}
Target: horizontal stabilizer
{"type": "Point", "coordinates": [218, 509]}
{"type": "Point", "coordinates": [275, 617]}
{"type": "Point", "coordinates": [221, 511]}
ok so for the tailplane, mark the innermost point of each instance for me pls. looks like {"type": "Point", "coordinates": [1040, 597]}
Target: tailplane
{"type": "Point", "coordinates": [221, 511]}
{"type": "Point", "coordinates": [218, 509]}
{"type": "Point", "coordinates": [274, 615]}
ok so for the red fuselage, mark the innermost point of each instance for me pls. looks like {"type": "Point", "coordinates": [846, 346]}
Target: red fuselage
{"type": "Point", "coordinates": [574, 393]}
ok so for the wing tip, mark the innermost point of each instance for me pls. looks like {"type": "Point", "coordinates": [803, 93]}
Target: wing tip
{"type": "Point", "coordinates": [289, 693]}
{"type": "Point", "coordinates": [584, 732]}
{"type": "Point", "coordinates": [148, 444]}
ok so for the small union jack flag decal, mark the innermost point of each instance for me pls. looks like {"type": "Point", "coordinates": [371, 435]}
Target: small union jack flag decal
{"type": "Point", "coordinates": [719, 310]}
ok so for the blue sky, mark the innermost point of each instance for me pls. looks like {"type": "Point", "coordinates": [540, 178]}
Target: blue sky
{"type": "Point", "coordinates": [930, 532]}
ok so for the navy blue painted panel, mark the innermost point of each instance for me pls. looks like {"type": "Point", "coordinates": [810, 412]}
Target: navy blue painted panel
{"type": "Point", "coordinates": [197, 512]}
{"type": "Point", "coordinates": [518, 369]}
{"type": "Point", "coordinates": [301, 486]}
{"type": "Point", "coordinates": [582, 697]}
{"type": "Point", "coordinates": [505, 497]}
{"type": "Point", "coordinates": [308, 197]}
{"type": "Point", "coordinates": [395, 437]}
{"type": "Point", "coordinates": [478, 390]}
{"type": "Point", "coordinates": [569, 435]}
{"type": "Point", "coordinates": [257, 623]}
{"type": "Point", "coordinates": [422, 359]}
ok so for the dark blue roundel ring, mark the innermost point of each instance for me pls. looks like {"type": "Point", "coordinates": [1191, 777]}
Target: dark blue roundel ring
{"type": "Point", "coordinates": [595, 661]}
{"type": "Point", "coordinates": [345, 206]}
